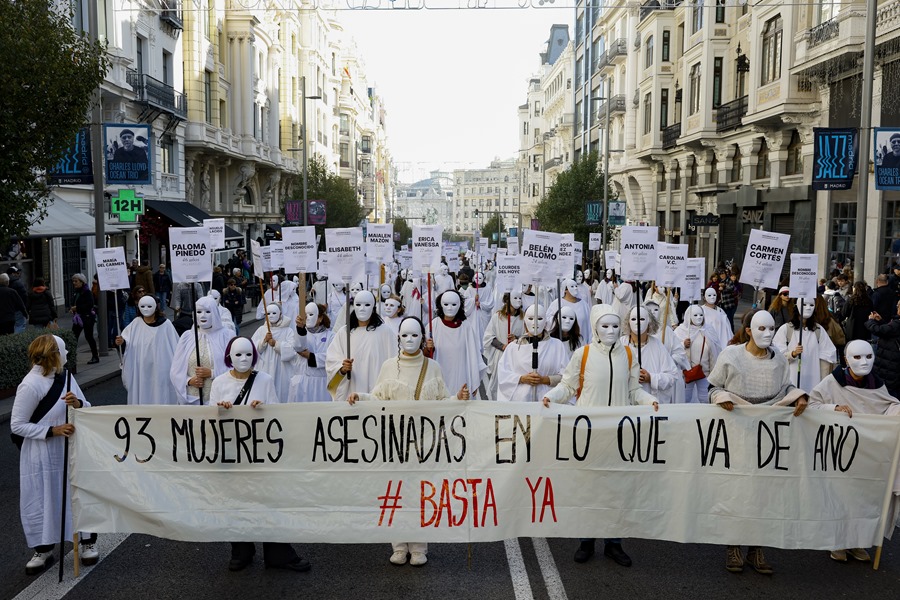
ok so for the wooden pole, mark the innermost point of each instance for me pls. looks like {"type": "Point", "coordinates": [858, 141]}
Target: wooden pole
{"type": "Point", "coordinates": [265, 312]}
{"type": "Point", "coordinates": [665, 324]}
{"type": "Point", "coordinates": [800, 343]}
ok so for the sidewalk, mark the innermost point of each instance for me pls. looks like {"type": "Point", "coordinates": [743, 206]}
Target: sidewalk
{"type": "Point", "coordinates": [108, 367]}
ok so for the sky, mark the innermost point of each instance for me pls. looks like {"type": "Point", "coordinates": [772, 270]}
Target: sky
{"type": "Point", "coordinates": [451, 80]}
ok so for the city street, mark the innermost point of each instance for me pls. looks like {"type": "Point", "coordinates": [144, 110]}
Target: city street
{"type": "Point", "coordinates": [140, 566]}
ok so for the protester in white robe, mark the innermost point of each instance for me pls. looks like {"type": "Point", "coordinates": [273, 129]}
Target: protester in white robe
{"type": "Point", "coordinates": [271, 295]}
{"type": "Point", "coordinates": [409, 375]}
{"type": "Point", "coordinates": [224, 313]}
{"type": "Point", "coordinates": [623, 299]}
{"type": "Point", "coordinates": [815, 357]}
{"type": "Point", "coordinates": [484, 308]}
{"type": "Point", "coordinates": [187, 377]}
{"type": "Point", "coordinates": [371, 343]}
{"type": "Point", "coordinates": [700, 349]}
{"type": "Point", "coordinates": [666, 302]}
{"type": "Point", "coordinates": [43, 447]}
{"type": "Point", "coordinates": [716, 319]}
{"type": "Point", "coordinates": [411, 294]}
{"type": "Point", "coordinates": [455, 345]}
{"type": "Point", "coordinates": [570, 298]}
{"type": "Point", "coordinates": [384, 292]}
{"type": "Point", "coordinates": [584, 292]}
{"type": "Point", "coordinates": [565, 328]}
{"type": "Point", "coordinates": [341, 318]}
{"type": "Point", "coordinates": [274, 342]}
{"type": "Point", "coordinates": [605, 286]}
{"type": "Point", "coordinates": [309, 382]}
{"type": "Point", "coordinates": [289, 300]}
{"type": "Point", "coordinates": [668, 337]}
{"type": "Point", "coordinates": [228, 391]}
{"type": "Point", "coordinates": [659, 376]}
{"type": "Point", "coordinates": [519, 380]}
{"type": "Point", "coordinates": [441, 282]}
{"type": "Point", "coordinates": [392, 313]}
{"type": "Point", "coordinates": [148, 345]}
{"type": "Point", "coordinates": [505, 327]}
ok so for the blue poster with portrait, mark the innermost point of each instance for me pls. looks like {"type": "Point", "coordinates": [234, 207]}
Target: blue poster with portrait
{"type": "Point", "coordinates": [835, 154]}
{"type": "Point", "coordinates": [887, 158]}
{"type": "Point", "coordinates": [128, 153]}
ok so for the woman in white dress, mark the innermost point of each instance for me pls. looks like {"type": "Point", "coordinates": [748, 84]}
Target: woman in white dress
{"type": "Point", "coordinates": [148, 344]}
{"type": "Point", "coordinates": [505, 327]}
{"type": "Point", "coordinates": [455, 345]}
{"type": "Point", "coordinates": [700, 349]}
{"type": "Point", "coordinates": [658, 374]}
{"type": "Point", "coordinates": [524, 377]}
{"type": "Point", "coordinates": [274, 343]}
{"type": "Point", "coordinates": [310, 342]}
{"type": "Point", "coordinates": [807, 348]}
{"type": "Point", "coordinates": [187, 377]}
{"type": "Point", "coordinates": [392, 312]}
{"type": "Point", "coordinates": [565, 328]}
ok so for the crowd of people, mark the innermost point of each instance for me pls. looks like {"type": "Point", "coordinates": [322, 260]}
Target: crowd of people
{"type": "Point", "coordinates": [598, 341]}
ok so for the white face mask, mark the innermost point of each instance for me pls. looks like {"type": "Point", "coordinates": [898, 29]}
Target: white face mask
{"type": "Point", "coordinates": [534, 322]}
{"type": "Point", "coordinates": [710, 296]}
{"type": "Point", "coordinates": [450, 304]}
{"type": "Point", "coordinates": [274, 312]}
{"type": "Point", "coordinates": [654, 310]}
{"type": "Point", "coordinates": [608, 329]}
{"type": "Point", "coordinates": [644, 320]}
{"type": "Point", "coordinates": [567, 319]}
{"type": "Point", "coordinates": [241, 355]}
{"type": "Point", "coordinates": [356, 288]}
{"type": "Point", "coordinates": [147, 306]}
{"type": "Point", "coordinates": [391, 306]}
{"type": "Point", "coordinates": [444, 270]}
{"type": "Point", "coordinates": [696, 316]}
{"type": "Point", "coordinates": [762, 329]}
{"type": "Point", "coordinates": [808, 309]}
{"type": "Point", "coordinates": [572, 288]}
{"type": "Point", "coordinates": [579, 277]}
{"type": "Point", "coordinates": [409, 276]}
{"type": "Point", "coordinates": [609, 273]}
{"type": "Point", "coordinates": [215, 295]}
{"type": "Point", "coordinates": [63, 353]}
{"type": "Point", "coordinates": [364, 306]}
{"type": "Point", "coordinates": [410, 336]}
{"type": "Point", "coordinates": [385, 292]}
{"type": "Point", "coordinates": [515, 300]}
{"type": "Point", "coordinates": [860, 357]}
{"type": "Point", "coordinates": [204, 318]}
{"type": "Point", "coordinates": [312, 314]}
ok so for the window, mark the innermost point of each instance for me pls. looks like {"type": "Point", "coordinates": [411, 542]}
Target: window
{"type": "Point", "coordinates": [139, 55]}
{"type": "Point", "coordinates": [345, 154]}
{"type": "Point", "coordinates": [537, 109]}
{"type": "Point", "coordinates": [717, 82]}
{"type": "Point", "coordinates": [697, 16]}
{"type": "Point", "coordinates": [695, 90]}
{"type": "Point", "coordinates": [771, 50]}
{"type": "Point", "coordinates": [167, 68]}
{"type": "Point", "coordinates": [720, 11]}
{"type": "Point", "coordinates": [891, 239]}
{"type": "Point", "coordinates": [525, 128]}
{"type": "Point", "coordinates": [345, 124]}
{"type": "Point", "coordinates": [714, 172]}
{"type": "Point", "coordinates": [744, 7]}
{"type": "Point", "coordinates": [223, 114]}
{"type": "Point", "coordinates": [664, 108]}
{"type": "Point", "coordinates": [677, 183]}
{"type": "Point", "coordinates": [663, 180]}
{"type": "Point", "coordinates": [648, 49]}
{"type": "Point", "coordinates": [826, 10]}
{"type": "Point", "coordinates": [737, 167]}
{"type": "Point", "coordinates": [666, 43]}
{"type": "Point", "coordinates": [207, 96]}
{"type": "Point", "coordinates": [693, 177]}
{"type": "Point", "coordinates": [843, 230]}
{"type": "Point", "coordinates": [648, 113]}
{"type": "Point", "coordinates": [794, 164]}
{"type": "Point", "coordinates": [762, 162]}
{"type": "Point", "coordinates": [167, 154]}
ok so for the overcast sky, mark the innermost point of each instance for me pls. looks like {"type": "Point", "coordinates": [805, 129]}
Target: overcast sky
{"type": "Point", "coordinates": [452, 80]}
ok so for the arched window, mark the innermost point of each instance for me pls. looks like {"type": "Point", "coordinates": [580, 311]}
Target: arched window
{"type": "Point", "coordinates": [762, 162]}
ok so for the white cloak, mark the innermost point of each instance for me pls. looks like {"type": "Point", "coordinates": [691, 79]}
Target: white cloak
{"type": "Point", "coordinates": [664, 374]}
{"type": "Point", "coordinates": [399, 376]}
{"type": "Point", "coordinates": [226, 387]}
{"type": "Point", "coordinates": [278, 360]}
{"type": "Point", "coordinates": [309, 384]}
{"type": "Point", "coordinates": [368, 349]}
{"type": "Point", "coordinates": [715, 321]}
{"type": "Point", "coordinates": [623, 301]}
{"type": "Point", "coordinates": [149, 350]}
{"type": "Point", "coordinates": [604, 291]}
{"type": "Point", "coordinates": [582, 315]}
{"type": "Point", "coordinates": [516, 361]}
{"type": "Point", "coordinates": [818, 358]}
{"type": "Point", "coordinates": [213, 342]}
{"type": "Point", "coordinates": [458, 351]}
{"type": "Point", "coordinates": [496, 330]}
{"type": "Point", "coordinates": [412, 299]}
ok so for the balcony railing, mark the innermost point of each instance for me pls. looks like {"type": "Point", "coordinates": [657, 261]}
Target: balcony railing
{"type": "Point", "coordinates": [822, 33]}
{"type": "Point", "coordinates": [171, 13]}
{"type": "Point", "coordinates": [647, 8]}
{"type": "Point", "coordinates": [617, 49]}
{"type": "Point", "coordinates": [729, 115]}
{"type": "Point", "coordinates": [670, 136]}
{"type": "Point", "coordinates": [553, 162]}
{"type": "Point", "coordinates": [157, 94]}
{"type": "Point", "coordinates": [599, 63]}
{"type": "Point", "coordinates": [616, 105]}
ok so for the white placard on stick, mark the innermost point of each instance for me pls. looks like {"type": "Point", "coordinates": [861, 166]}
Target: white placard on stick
{"type": "Point", "coordinates": [512, 245]}
{"type": "Point", "coordinates": [692, 286]}
{"type": "Point", "coordinates": [380, 242]}
{"type": "Point", "coordinates": [216, 232]}
{"type": "Point", "coordinates": [266, 253]}
{"type": "Point", "coordinates": [612, 259]}
{"type": "Point", "coordinates": [112, 272]}
{"type": "Point", "coordinates": [426, 250]}
{"type": "Point", "coordinates": [578, 252]}
{"type": "Point", "coordinates": [540, 252]}
{"type": "Point", "coordinates": [404, 257]}
{"type": "Point", "coordinates": [509, 273]}
{"type": "Point", "coordinates": [638, 253]}
{"type": "Point", "coordinates": [804, 276]}
{"type": "Point", "coordinates": [191, 256]}
{"type": "Point", "coordinates": [277, 247]}
{"type": "Point", "coordinates": [595, 240]}
{"type": "Point", "coordinates": [565, 266]}
{"type": "Point", "coordinates": [345, 253]}
{"type": "Point", "coordinates": [453, 263]}
{"type": "Point", "coordinates": [322, 270]}
{"type": "Point", "coordinates": [764, 258]}
{"type": "Point", "coordinates": [256, 254]}
{"type": "Point", "coordinates": [299, 249]}
{"type": "Point", "coordinates": [670, 262]}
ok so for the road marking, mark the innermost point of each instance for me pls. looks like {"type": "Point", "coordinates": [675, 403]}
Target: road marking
{"type": "Point", "coordinates": [47, 586]}
{"type": "Point", "coordinates": [517, 571]}
{"type": "Point", "coordinates": [552, 580]}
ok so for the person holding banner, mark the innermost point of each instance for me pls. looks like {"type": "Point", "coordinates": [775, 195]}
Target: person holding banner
{"type": "Point", "coordinates": [602, 373]}
{"type": "Point", "coordinates": [274, 341]}
{"type": "Point", "coordinates": [210, 337]}
{"type": "Point", "coordinates": [518, 378]}
{"type": "Point", "coordinates": [505, 327]}
{"type": "Point", "coordinates": [312, 336]}
{"type": "Point", "coordinates": [409, 375]}
{"type": "Point", "coordinates": [807, 347]}
{"type": "Point", "coordinates": [148, 344]}
{"type": "Point", "coordinates": [754, 373]}
{"type": "Point", "coordinates": [39, 419]}
{"type": "Point", "coordinates": [659, 375]}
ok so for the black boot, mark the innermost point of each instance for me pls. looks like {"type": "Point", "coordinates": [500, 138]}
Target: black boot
{"type": "Point", "coordinates": [585, 551]}
{"type": "Point", "coordinates": [614, 551]}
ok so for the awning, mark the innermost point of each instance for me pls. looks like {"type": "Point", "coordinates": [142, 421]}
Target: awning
{"type": "Point", "coordinates": [64, 220]}
{"type": "Point", "coordinates": [185, 214]}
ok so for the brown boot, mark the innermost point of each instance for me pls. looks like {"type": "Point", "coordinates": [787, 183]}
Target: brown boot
{"type": "Point", "coordinates": [734, 560]}
{"type": "Point", "coordinates": [758, 561]}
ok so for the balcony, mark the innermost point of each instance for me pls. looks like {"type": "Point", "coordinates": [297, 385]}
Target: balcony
{"type": "Point", "coordinates": [670, 136]}
{"type": "Point", "coordinates": [598, 64]}
{"type": "Point", "coordinates": [651, 6]}
{"type": "Point", "coordinates": [553, 163]}
{"type": "Point", "coordinates": [157, 95]}
{"type": "Point", "coordinates": [729, 115]}
{"type": "Point", "coordinates": [616, 105]}
{"type": "Point", "coordinates": [170, 13]}
{"type": "Point", "coordinates": [822, 33]}
{"type": "Point", "coordinates": [618, 50]}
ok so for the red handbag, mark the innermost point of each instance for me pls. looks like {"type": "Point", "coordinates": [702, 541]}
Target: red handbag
{"type": "Point", "coordinates": [695, 373]}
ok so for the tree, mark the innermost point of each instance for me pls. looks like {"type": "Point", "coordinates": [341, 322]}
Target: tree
{"type": "Point", "coordinates": [563, 207]}
{"type": "Point", "coordinates": [341, 204]}
{"type": "Point", "coordinates": [48, 73]}
{"type": "Point", "coordinates": [402, 232]}
{"type": "Point", "coordinates": [490, 229]}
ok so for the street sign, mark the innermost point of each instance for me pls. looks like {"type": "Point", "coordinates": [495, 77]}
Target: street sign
{"type": "Point", "coordinates": [127, 206]}
{"type": "Point", "coordinates": [707, 220]}
{"type": "Point", "coordinates": [594, 212]}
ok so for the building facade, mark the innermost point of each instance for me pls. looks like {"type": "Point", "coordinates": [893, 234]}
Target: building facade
{"type": "Point", "coordinates": [426, 202]}
{"type": "Point", "coordinates": [479, 194]}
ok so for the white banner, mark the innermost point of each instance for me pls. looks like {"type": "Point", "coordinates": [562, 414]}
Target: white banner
{"type": "Point", "coordinates": [299, 249]}
{"type": "Point", "coordinates": [804, 276]}
{"type": "Point", "coordinates": [540, 251]}
{"type": "Point", "coordinates": [483, 471]}
{"type": "Point", "coordinates": [638, 254]}
{"type": "Point", "coordinates": [512, 245]}
{"type": "Point", "coordinates": [216, 232]}
{"type": "Point", "coordinates": [277, 247]}
{"type": "Point", "coordinates": [380, 242]}
{"type": "Point", "coordinates": [191, 257]}
{"type": "Point", "coordinates": [612, 259]}
{"type": "Point", "coordinates": [426, 250]}
{"type": "Point", "coordinates": [112, 271]}
{"type": "Point", "coordinates": [509, 273]}
{"type": "Point", "coordinates": [694, 279]}
{"type": "Point", "coordinates": [670, 262]}
{"type": "Point", "coordinates": [578, 251]}
{"type": "Point", "coordinates": [256, 254]}
{"type": "Point", "coordinates": [595, 240]}
{"type": "Point", "coordinates": [764, 258]}
{"type": "Point", "coordinates": [345, 253]}
{"type": "Point", "coordinates": [565, 266]}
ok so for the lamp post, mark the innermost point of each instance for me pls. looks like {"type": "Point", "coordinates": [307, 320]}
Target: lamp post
{"type": "Point", "coordinates": [305, 147]}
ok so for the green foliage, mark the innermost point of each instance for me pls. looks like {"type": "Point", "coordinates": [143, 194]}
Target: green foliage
{"type": "Point", "coordinates": [14, 349]}
{"type": "Point", "coordinates": [490, 230]}
{"type": "Point", "coordinates": [563, 207]}
{"type": "Point", "coordinates": [342, 206]}
{"type": "Point", "coordinates": [48, 74]}
{"type": "Point", "coordinates": [403, 232]}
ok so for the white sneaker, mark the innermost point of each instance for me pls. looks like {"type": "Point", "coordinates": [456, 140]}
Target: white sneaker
{"type": "Point", "coordinates": [89, 554]}
{"type": "Point", "coordinates": [399, 557]}
{"type": "Point", "coordinates": [39, 562]}
{"type": "Point", "coordinates": [418, 559]}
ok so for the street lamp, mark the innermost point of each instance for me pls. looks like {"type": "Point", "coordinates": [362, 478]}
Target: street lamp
{"type": "Point", "coordinates": [305, 147]}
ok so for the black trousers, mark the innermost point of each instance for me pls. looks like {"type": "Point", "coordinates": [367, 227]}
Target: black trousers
{"type": "Point", "coordinates": [276, 554]}
{"type": "Point", "coordinates": [88, 329]}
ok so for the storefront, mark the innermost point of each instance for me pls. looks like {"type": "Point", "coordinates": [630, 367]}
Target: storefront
{"type": "Point", "coordinates": [162, 214]}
